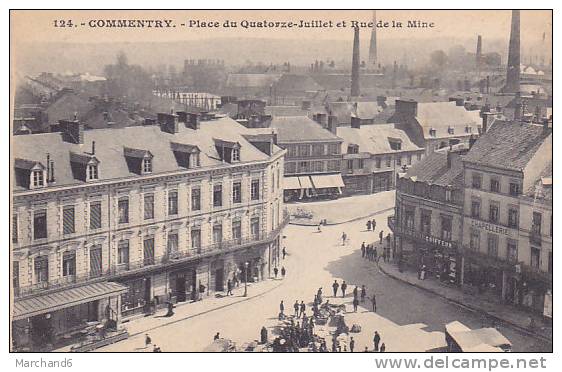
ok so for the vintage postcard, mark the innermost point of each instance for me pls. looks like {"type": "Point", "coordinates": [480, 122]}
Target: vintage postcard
{"type": "Point", "coordinates": [281, 181]}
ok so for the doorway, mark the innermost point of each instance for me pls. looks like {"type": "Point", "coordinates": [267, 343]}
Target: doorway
{"type": "Point", "coordinates": [180, 288]}
{"type": "Point", "coordinates": [219, 280]}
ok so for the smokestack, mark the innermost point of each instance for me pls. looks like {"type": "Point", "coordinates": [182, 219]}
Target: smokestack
{"type": "Point", "coordinates": [355, 64]}
{"type": "Point", "coordinates": [514, 56]}
{"type": "Point", "coordinates": [373, 44]}
{"type": "Point", "coordinates": [479, 51]}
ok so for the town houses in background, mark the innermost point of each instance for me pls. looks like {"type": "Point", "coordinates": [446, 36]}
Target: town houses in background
{"type": "Point", "coordinates": [139, 188]}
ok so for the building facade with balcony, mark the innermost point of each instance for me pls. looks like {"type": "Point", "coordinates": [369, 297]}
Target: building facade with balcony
{"type": "Point", "coordinates": [313, 159]}
{"type": "Point", "coordinates": [109, 223]}
{"type": "Point", "coordinates": [373, 155]}
{"type": "Point", "coordinates": [427, 224]}
{"type": "Point", "coordinates": [503, 225]}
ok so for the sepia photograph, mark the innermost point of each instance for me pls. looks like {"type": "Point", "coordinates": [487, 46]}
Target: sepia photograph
{"type": "Point", "coordinates": [321, 181]}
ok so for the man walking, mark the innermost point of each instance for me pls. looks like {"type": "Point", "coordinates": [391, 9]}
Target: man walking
{"type": "Point", "coordinates": [355, 304]}
{"type": "Point", "coordinates": [296, 307]}
{"type": "Point", "coordinates": [343, 238]}
{"type": "Point", "coordinates": [283, 272]}
{"type": "Point", "coordinates": [355, 292]}
{"type": "Point", "coordinates": [363, 250]}
{"type": "Point", "coordinates": [369, 225]}
{"type": "Point", "coordinates": [275, 271]}
{"type": "Point", "coordinates": [380, 236]}
{"type": "Point", "coordinates": [363, 293]}
{"type": "Point", "coordinates": [374, 301]}
{"type": "Point", "coordinates": [343, 288]}
{"type": "Point", "coordinates": [373, 225]}
{"type": "Point", "coordinates": [281, 308]}
{"type": "Point", "coordinates": [147, 340]}
{"type": "Point", "coordinates": [351, 344]}
{"type": "Point", "coordinates": [302, 309]}
{"type": "Point", "coordinates": [383, 348]}
{"type": "Point", "coordinates": [335, 287]}
{"type": "Point", "coordinates": [376, 340]}
{"type": "Point", "coordinates": [229, 287]}
{"type": "Point", "coordinates": [284, 252]}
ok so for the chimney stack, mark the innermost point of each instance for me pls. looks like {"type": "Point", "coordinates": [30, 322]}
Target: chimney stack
{"type": "Point", "coordinates": [373, 44]}
{"type": "Point", "coordinates": [514, 57]}
{"type": "Point", "coordinates": [487, 119]}
{"type": "Point", "coordinates": [93, 147]}
{"type": "Point", "coordinates": [479, 51]}
{"type": "Point", "coordinates": [355, 65]}
{"type": "Point", "coordinates": [332, 123]}
{"type": "Point", "coordinates": [72, 131]}
{"type": "Point", "coordinates": [168, 122]}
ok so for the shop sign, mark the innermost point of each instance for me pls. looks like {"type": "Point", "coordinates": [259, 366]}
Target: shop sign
{"type": "Point", "coordinates": [486, 226]}
{"type": "Point", "coordinates": [435, 241]}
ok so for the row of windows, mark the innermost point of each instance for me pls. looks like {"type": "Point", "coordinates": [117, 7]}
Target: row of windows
{"type": "Point", "coordinates": [494, 213]}
{"type": "Point", "coordinates": [312, 166]}
{"type": "Point", "coordinates": [425, 224]}
{"type": "Point", "coordinates": [495, 185]}
{"type": "Point", "coordinates": [313, 150]}
{"type": "Point", "coordinates": [41, 263]}
{"type": "Point", "coordinates": [40, 216]}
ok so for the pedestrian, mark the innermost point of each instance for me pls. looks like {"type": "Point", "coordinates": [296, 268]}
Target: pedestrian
{"type": "Point", "coordinates": [319, 227]}
{"type": "Point", "coordinates": [351, 344]}
{"type": "Point", "coordinates": [147, 340]}
{"type": "Point", "coordinates": [375, 254]}
{"type": "Point", "coordinates": [363, 250]}
{"type": "Point", "coordinates": [201, 290]}
{"type": "Point", "coordinates": [319, 295]}
{"type": "Point", "coordinates": [369, 225]}
{"type": "Point", "coordinates": [369, 252]}
{"type": "Point", "coordinates": [373, 225]}
{"type": "Point", "coordinates": [296, 307]}
{"type": "Point", "coordinates": [217, 336]}
{"type": "Point", "coordinates": [355, 292]}
{"type": "Point", "coordinates": [374, 302]}
{"type": "Point", "coordinates": [283, 272]}
{"type": "Point", "coordinates": [229, 287]}
{"type": "Point", "coordinates": [366, 349]}
{"type": "Point", "coordinates": [282, 308]}
{"type": "Point", "coordinates": [376, 340]}
{"type": "Point", "coordinates": [156, 349]}
{"type": "Point", "coordinates": [335, 287]}
{"type": "Point", "coordinates": [384, 255]}
{"type": "Point", "coordinates": [343, 288]}
{"type": "Point", "coordinates": [235, 280]}
{"type": "Point", "coordinates": [302, 308]}
{"type": "Point", "coordinates": [388, 240]}
{"type": "Point", "coordinates": [284, 252]}
{"type": "Point", "coordinates": [263, 335]}
{"type": "Point", "coordinates": [383, 347]}
{"type": "Point", "coordinates": [363, 293]}
{"type": "Point", "coordinates": [380, 236]}
{"type": "Point", "coordinates": [355, 304]}
{"type": "Point", "coordinates": [275, 272]}
{"type": "Point", "coordinates": [170, 309]}
{"type": "Point", "coordinates": [343, 238]}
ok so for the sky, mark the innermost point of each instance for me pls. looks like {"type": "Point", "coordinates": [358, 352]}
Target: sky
{"type": "Point", "coordinates": [38, 25]}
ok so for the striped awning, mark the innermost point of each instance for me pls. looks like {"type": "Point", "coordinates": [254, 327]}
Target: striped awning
{"type": "Point", "coordinates": [327, 181]}
{"type": "Point", "coordinates": [291, 183]}
{"type": "Point", "coordinates": [305, 182]}
{"type": "Point", "coordinates": [41, 304]}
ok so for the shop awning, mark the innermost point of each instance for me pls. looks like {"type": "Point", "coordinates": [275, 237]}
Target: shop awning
{"type": "Point", "coordinates": [49, 302]}
{"type": "Point", "coordinates": [305, 182]}
{"type": "Point", "coordinates": [291, 183]}
{"type": "Point", "coordinates": [327, 181]}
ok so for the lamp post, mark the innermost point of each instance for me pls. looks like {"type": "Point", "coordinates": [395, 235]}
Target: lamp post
{"type": "Point", "coordinates": [246, 264]}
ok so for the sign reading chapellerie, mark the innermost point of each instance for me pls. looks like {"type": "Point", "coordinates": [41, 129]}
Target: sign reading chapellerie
{"type": "Point", "coordinates": [486, 226]}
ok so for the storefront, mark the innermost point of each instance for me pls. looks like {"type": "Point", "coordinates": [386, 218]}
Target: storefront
{"type": "Point", "coordinates": [327, 185]}
{"type": "Point", "coordinates": [383, 181]}
{"type": "Point", "coordinates": [137, 297]}
{"type": "Point", "coordinates": [182, 285]}
{"type": "Point", "coordinates": [46, 320]}
{"type": "Point", "coordinates": [291, 189]}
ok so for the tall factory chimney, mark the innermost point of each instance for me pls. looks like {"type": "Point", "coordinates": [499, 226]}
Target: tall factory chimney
{"type": "Point", "coordinates": [514, 56]}
{"type": "Point", "coordinates": [355, 65]}
{"type": "Point", "coordinates": [373, 44]}
{"type": "Point", "coordinates": [479, 51]}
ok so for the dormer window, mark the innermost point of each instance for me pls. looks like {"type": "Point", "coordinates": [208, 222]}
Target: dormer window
{"type": "Point", "coordinates": [92, 172]}
{"type": "Point", "coordinates": [30, 174]}
{"type": "Point", "coordinates": [395, 144]}
{"type": "Point", "coordinates": [186, 155]}
{"type": "Point", "coordinates": [228, 151]}
{"type": "Point", "coordinates": [139, 161]}
{"type": "Point", "coordinates": [352, 149]}
{"type": "Point", "coordinates": [147, 165]}
{"type": "Point", "coordinates": [432, 132]}
{"type": "Point", "coordinates": [38, 177]}
{"type": "Point", "coordinates": [468, 129]}
{"type": "Point", "coordinates": [451, 130]}
{"type": "Point", "coordinates": [235, 155]}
